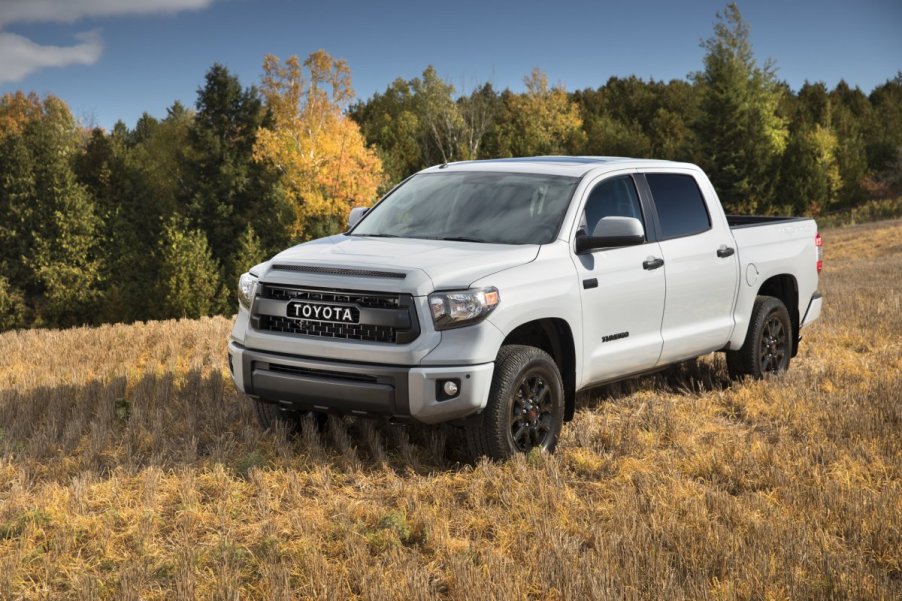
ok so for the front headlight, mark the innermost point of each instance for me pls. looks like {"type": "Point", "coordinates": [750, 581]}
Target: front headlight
{"type": "Point", "coordinates": [462, 308]}
{"type": "Point", "coordinates": [247, 287]}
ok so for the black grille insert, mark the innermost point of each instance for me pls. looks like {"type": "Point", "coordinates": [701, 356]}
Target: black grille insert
{"type": "Point", "coordinates": [362, 331]}
{"type": "Point", "coordinates": [363, 299]}
{"type": "Point", "coordinates": [346, 331]}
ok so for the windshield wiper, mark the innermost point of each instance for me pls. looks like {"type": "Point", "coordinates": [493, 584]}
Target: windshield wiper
{"type": "Point", "coordinates": [377, 235]}
{"type": "Point", "coordinates": [462, 239]}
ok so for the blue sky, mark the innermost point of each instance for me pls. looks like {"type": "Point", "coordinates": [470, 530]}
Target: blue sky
{"type": "Point", "coordinates": [112, 59]}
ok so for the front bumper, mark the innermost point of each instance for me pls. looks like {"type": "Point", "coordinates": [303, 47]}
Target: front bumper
{"type": "Point", "coordinates": [359, 388]}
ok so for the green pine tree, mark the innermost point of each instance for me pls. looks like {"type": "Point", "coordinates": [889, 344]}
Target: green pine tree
{"type": "Point", "coordinates": [248, 254]}
{"type": "Point", "coordinates": [149, 174]}
{"type": "Point", "coordinates": [190, 283]}
{"type": "Point", "coordinates": [390, 121]}
{"type": "Point", "coordinates": [63, 258]}
{"type": "Point", "coordinates": [809, 178]}
{"type": "Point", "coordinates": [608, 136]}
{"type": "Point", "coordinates": [884, 136]}
{"type": "Point", "coordinates": [225, 188]}
{"type": "Point", "coordinates": [12, 306]}
{"type": "Point", "coordinates": [850, 109]}
{"type": "Point", "coordinates": [17, 203]}
{"type": "Point", "coordinates": [65, 261]}
{"type": "Point", "coordinates": [741, 134]}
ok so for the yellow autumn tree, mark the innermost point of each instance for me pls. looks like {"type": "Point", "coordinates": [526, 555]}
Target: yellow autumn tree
{"type": "Point", "coordinates": [17, 109]}
{"type": "Point", "coordinates": [543, 119]}
{"type": "Point", "coordinates": [324, 165]}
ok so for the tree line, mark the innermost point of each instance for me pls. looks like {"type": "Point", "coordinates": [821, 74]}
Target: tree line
{"type": "Point", "coordinates": [158, 220]}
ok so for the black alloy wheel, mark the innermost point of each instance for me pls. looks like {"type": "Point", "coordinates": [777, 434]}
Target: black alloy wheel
{"type": "Point", "coordinates": [525, 408]}
{"type": "Point", "coordinates": [772, 352]}
{"type": "Point", "coordinates": [532, 416]}
{"type": "Point", "coordinates": [767, 348]}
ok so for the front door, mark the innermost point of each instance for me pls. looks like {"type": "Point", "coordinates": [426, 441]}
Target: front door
{"type": "Point", "coordinates": [622, 290]}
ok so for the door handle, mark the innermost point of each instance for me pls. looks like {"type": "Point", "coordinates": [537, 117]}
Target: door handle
{"type": "Point", "coordinates": [652, 263]}
{"type": "Point", "coordinates": [725, 251]}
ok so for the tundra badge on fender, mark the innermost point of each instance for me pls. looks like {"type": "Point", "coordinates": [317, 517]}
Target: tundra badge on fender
{"type": "Point", "coordinates": [616, 336]}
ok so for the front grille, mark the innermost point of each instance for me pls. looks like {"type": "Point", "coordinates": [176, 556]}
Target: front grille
{"type": "Point", "coordinates": [364, 299]}
{"type": "Point", "coordinates": [346, 331]}
{"type": "Point", "coordinates": [368, 332]}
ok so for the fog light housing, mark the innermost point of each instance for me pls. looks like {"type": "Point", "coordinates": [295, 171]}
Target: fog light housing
{"type": "Point", "coordinates": [447, 389]}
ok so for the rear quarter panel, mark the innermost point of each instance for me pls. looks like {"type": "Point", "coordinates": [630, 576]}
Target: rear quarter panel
{"type": "Point", "coordinates": [766, 251]}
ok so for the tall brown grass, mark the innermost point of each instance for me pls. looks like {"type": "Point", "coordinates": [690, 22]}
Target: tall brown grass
{"type": "Point", "coordinates": [131, 469]}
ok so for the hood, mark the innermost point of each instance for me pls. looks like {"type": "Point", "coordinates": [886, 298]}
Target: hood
{"type": "Point", "coordinates": [427, 264]}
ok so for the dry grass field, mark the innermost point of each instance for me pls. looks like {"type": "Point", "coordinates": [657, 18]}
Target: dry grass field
{"type": "Point", "coordinates": [131, 469]}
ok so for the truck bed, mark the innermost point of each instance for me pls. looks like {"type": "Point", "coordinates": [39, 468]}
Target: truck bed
{"type": "Point", "coordinates": [738, 221]}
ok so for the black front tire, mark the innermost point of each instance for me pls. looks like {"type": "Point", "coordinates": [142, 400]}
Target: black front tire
{"type": "Point", "coordinates": [768, 343]}
{"type": "Point", "coordinates": [269, 414]}
{"type": "Point", "coordinates": [525, 408]}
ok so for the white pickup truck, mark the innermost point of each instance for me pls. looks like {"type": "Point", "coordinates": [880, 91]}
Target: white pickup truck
{"type": "Point", "coordinates": [487, 293]}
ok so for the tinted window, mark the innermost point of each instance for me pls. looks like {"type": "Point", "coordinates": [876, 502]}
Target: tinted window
{"type": "Point", "coordinates": [615, 197]}
{"type": "Point", "coordinates": [681, 208]}
{"type": "Point", "coordinates": [504, 208]}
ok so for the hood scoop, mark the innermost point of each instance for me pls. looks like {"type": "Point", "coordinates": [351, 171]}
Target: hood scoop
{"type": "Point", "coordinates": [341, 271]}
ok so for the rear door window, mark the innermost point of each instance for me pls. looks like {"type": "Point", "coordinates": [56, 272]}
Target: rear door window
{"type": "Point", "coordinates": [680, 205]}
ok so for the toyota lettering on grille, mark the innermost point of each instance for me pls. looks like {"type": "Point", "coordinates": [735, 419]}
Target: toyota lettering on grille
{"type": "Point", "coordinates": [320, 312]}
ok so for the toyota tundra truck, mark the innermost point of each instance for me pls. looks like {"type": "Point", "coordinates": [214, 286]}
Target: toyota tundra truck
{"type": "Point", "coordinates": [486, 294]}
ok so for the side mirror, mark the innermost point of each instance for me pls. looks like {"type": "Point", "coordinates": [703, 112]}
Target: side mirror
{"type": "Point", "coordinates": [356, 215]}
{"type": "Point", "coordinates": [611, 232]}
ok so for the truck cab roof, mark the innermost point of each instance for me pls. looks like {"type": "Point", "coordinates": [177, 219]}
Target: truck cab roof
{"type": "Point", "coordinates": [573, 166]}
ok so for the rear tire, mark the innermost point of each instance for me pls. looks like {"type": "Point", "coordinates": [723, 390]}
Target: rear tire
{"type": "Point", "coordinates": [768, 343]}
{"type": "Point", "coordinates": [525, 409]}
{"type": "Point", "coordinates": [269, 414]}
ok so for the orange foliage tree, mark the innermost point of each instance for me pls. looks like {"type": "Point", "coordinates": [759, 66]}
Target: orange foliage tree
{"type": "Point", "coordinates": [17, 109]}
{"type": "Point", "coordinates": [545, 120]}
{"type": "Point", "coordinates": [324, 164]}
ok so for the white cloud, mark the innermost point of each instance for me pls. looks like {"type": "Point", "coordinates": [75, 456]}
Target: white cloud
{"type": "Point", "coordinates": [22, 57]}
{"type": "Point", "coordinates": [68, 11]}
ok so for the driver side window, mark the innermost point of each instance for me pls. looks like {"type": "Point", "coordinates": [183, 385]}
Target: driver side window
{"type": "Point", "coordinates": [614, 197]}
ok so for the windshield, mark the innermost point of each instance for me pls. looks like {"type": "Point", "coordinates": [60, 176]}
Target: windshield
{"type": "Point", "coordinates": [502, 208]}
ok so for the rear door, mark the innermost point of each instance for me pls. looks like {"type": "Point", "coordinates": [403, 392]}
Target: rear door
{"type": "Point", "coordinates": [622, 288]}
{"type": "Point", "coordinates": [700, 267]}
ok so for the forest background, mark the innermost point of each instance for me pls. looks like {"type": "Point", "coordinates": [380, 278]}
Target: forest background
{"type": "Point", "coordinates": [159, 220]}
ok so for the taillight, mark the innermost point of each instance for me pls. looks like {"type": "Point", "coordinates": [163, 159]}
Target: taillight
{"type": "Point", "coordinates": [819, 244]}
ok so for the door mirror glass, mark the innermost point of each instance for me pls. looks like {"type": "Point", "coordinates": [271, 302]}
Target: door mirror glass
{"type": "Point", "coordinates": [612, 232]}
{"type": "Point", "coordinates": [356, 215]}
